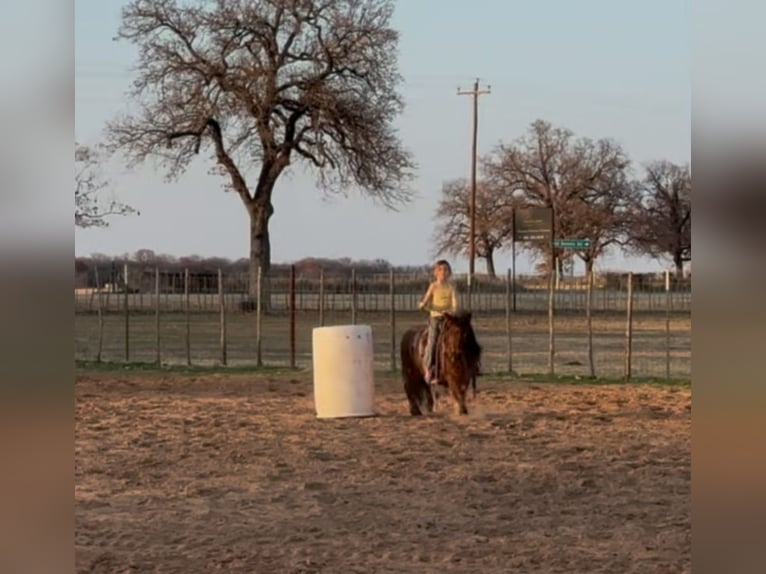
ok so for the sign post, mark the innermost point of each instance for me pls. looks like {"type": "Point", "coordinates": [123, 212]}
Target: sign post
{"type": "Point", "coordinates": [536, 224]}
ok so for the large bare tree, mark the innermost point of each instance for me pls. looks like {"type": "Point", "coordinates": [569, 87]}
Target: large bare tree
{"type": "Point", "coordinates": [261, 85]}
{"type": "Point", "coordinates": [661, 214]}
{"type": "Point", "coordinates": [453, 220]}
{"type": "Point", "coordinates": [584, 181]}
{"type": "Point", "coordinates": [90, 208]}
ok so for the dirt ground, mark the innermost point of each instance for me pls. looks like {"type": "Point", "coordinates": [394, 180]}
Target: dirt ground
{"type": "Point", "coordinates": [229, 473]}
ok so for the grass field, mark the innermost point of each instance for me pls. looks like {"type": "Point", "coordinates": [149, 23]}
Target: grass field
{"type": "Point", "coordinates": [529, 340]}
{"type": "Point", "coordinates": [207, 470]}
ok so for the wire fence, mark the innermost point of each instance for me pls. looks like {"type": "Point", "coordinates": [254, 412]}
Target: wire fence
{"type": "Point", "coordinates": [636, 327]}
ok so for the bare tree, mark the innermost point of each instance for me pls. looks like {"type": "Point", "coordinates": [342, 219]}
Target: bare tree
{"type": "Point", "coordinates": [661, 214]}
{"type": "Point", "coordinates": [453, 220]}
{"type": "Point", "coordinates": [584, 182]}
{"type": "Point", "coordinates": [259, 85]}
{"type": "Point", "coordinates": [89, 208]}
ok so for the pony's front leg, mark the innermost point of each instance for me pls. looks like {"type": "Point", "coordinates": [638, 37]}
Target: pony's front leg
{"type": "Point", "coordinates": [458, 395]}
{"type": "Point", "coordinates": [430, 398]}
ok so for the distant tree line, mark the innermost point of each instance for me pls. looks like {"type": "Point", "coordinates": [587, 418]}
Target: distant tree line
{"type": "Point", "coordinates": [109, 269]}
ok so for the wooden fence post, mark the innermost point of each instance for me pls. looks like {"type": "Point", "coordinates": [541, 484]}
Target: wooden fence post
{"type": "Point", "coordinates": [157, 356]}
{"type": "Point", "coordinates": [100, 311]}
{"type": "Point", "coordinates": [353, 296]}
{"type": "Point", "coordinates": [321, 297]}
{"type": "Point", "coordinates": [551, 294]}
{"type": "Point", "coordinates": [589, 319]}
{"type": "Point", "coordinates": [127, 314]}
{"type": "Point", "coordinates": [508, 306]}
{"type": "Point", "coordinates": [258, 317]}
{"type": "Point", "coordinates": [292, 316]}
{"type": "Point", "coordinates": [392, 305]}
{"type": "Point", "coordinates": [629, 329]}
{"type": "Point", "coordinates": [186, 314]}
{"type": "Point", "coordinates": [222, 310]}
{"type": "Point", "coordinates": [667, 325]}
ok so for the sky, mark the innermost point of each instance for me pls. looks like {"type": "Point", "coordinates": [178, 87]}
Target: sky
{"type": "Point", "coordinates": [600, 68]}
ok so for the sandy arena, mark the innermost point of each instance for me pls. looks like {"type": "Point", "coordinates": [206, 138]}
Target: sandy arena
{"type": "Point", "coordinates": [233, 473]}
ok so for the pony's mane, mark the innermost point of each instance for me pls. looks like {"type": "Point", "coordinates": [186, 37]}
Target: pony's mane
{"type": "Point", "coordinates": [472, 348]}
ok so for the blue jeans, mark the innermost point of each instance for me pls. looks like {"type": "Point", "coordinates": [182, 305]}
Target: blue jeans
{"type": "Point", "coordinates": [434, 325]}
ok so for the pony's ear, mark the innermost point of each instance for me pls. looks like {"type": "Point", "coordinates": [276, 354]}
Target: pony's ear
{"type": "Point", "coordinates": [467, 316]}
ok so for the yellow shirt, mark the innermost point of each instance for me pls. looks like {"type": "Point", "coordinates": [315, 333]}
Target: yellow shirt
{"type": "Point", "coordinates": [441, 299]}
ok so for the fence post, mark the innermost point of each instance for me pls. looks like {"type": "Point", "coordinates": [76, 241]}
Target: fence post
{"type": "Point", "coordinates": [353, 296]}
{"type": "Point", "coordinates": [667, 325]}
{"type": "Point", "coordinates": [321, 297]}
{"type": "Point", "coordinates": [513, 261]}
{"type": "Point", "coordinates": [127, 314]}
{"type": "Point", "coordinates": [100, 312]}
{"type": "Point", "coordinates": [222, 308]}
{"type": "Point", "coordinates": [109, 291]}
{"type": "Point", "coordinates": [292, 316]}
{"type": "Point", "coordinates": [551, 340]}
{"type": "Point", "coordinates": [392, 305]}
{"type": "Point", "coordinates": [157, 356]}
{"type": "Point", "coordinates": [508, 304]}
{"type": "Point", "coordinates": [629, 329]}
{"type": "Point", "coordinates": [90, 301]}
{"type": "Point", "coordinates": [186, 314]}
{"type": "Point", "coordinates": [258, 317]}
{"type": "Point", "coordinates": [589, 318]}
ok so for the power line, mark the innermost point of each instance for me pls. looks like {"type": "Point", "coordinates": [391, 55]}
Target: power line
{"type": "Point", "coordinates": [474, 93]}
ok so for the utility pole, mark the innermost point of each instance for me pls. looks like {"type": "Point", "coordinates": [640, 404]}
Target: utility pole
{"type": "Point", "coordinates": [475, 93]}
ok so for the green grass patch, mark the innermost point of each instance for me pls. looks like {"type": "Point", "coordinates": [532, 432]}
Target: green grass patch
{"type": "Point", "coordinates": [585, 380]}
{"type": "Point", "coordinates": [153, 368]}
{"type": "Point", "coordinates": [382, 375]}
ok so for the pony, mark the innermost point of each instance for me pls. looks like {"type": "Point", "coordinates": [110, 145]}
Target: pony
{"type": "Point", "coordinates": [458, 355]}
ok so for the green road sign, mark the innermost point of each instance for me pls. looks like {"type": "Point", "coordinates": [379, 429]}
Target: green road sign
{"type": "Point", "coordinates": [572, 243]}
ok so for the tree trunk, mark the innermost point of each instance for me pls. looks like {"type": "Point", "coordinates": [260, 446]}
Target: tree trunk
{"type": "Point", "coordinates": [260, 251]}
{"type": "Point", "coordinates": [489, 258]}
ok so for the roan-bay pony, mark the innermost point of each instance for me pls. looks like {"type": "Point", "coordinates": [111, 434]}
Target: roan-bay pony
{"type": "Point", "coordinates": [457, 355]}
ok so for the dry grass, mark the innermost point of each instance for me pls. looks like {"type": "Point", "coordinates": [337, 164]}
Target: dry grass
{"type": "Point", "coordinates": [185, 474]}
{"type": "Point", "coordinates": [529, 341]}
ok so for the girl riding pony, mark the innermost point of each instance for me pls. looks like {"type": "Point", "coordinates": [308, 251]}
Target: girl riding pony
{"type": "Point", "coordinates": [440, 298]}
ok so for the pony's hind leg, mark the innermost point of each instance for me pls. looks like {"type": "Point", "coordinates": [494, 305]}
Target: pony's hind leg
{"type": "Point", "coordinates": [412, 390]}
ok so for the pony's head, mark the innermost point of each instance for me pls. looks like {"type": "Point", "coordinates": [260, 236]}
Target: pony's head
{"type": "Point", "coordinates": [460, 337]}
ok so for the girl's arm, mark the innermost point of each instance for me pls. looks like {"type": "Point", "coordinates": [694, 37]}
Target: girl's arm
{"type": "Point", "coordinates": [426, 297]}
{"type": "Point", "coordinates": [454, 300]}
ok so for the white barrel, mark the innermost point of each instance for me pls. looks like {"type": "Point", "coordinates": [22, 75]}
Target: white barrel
{"type": "Point", "coordinates": [343, 371]}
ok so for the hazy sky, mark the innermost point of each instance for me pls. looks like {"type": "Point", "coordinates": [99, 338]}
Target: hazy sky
{"type": "Point", "coordinates": [598, 67]}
